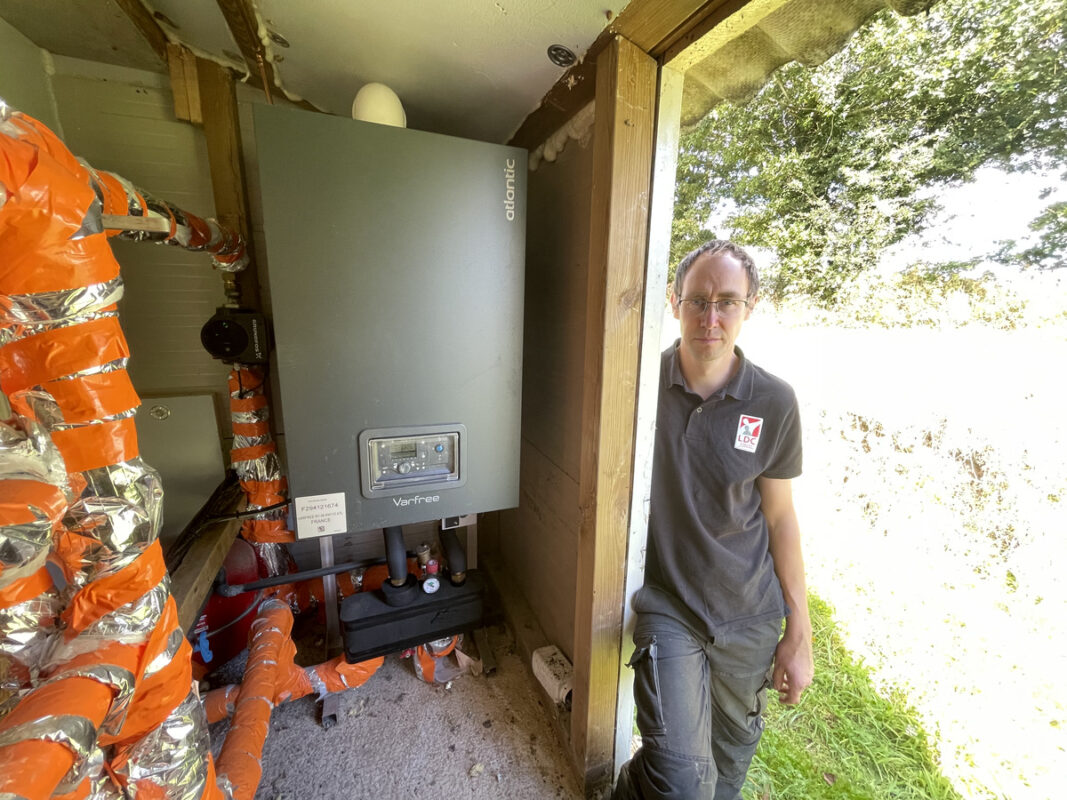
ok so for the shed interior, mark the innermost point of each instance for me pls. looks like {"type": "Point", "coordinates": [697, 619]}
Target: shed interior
{"type": "Point", "coordinates": [160, 94]}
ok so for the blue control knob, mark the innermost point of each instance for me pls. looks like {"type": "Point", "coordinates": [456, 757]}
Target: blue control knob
{"type": "Point", "coordinates": [440, 448]}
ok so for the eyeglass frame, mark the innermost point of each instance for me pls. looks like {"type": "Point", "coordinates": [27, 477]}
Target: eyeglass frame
{"type": "Point", "coordinates": [705, 303]}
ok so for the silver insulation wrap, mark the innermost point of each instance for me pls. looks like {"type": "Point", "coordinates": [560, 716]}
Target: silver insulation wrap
{"type": "Point", "coordinates": [26, 634]}
{"type": "Point", "coordinates": [172, 756]}
{"type": "Point", "coordinates": [121, 509]}
{"type": "Point", "coordinates": [27, 453]}
{"type": "Point", "coordinates": [264, 468]}
{"type": "Point", "coordinates": [111, 521]}
{"type": "Point", "coordinates": [27, 314]}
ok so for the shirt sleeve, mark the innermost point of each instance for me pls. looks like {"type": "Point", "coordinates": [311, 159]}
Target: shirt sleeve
{"type": "Point", "coordinates": [787, 461]}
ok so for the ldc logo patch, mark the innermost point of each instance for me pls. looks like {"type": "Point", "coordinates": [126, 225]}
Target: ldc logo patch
{"type": "Point", "coordinates": [748, 432]}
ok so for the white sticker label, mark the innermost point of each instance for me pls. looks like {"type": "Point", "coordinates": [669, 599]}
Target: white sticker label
{"type": "Point", "coordinates": [321, 514]}
{"type": "Point", "coordinates": [748, 431]}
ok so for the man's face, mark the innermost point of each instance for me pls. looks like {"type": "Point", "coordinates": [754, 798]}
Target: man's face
{"type": "Point", "coordinates": [710, 336]}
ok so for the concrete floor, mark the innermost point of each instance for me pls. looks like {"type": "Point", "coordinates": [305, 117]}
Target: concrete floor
{"type": "Point", "coordinates": [481, 736]}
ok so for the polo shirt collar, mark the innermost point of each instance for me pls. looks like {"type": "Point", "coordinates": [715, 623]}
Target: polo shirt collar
{"type": "Point", "coordinates": [739, 387]}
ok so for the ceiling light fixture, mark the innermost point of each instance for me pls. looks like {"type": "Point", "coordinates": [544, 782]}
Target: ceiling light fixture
{"type": "Point", "coordinates": [561, 56]}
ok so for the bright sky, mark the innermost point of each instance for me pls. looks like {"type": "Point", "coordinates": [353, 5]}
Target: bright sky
{"type": "Point", "coordinates": [977, 216]}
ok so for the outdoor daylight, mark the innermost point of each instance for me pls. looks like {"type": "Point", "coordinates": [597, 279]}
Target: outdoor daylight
{"type": "Point", "coordinates": [533, 400]}
{"type": "Point", "coordinates": [906, 202]}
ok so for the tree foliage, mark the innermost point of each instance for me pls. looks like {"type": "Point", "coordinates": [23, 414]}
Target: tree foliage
{"type": "Point", "coordinates": [829, 166]}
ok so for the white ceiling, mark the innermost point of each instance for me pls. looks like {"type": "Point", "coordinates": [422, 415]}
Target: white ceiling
{"type": "Point", "coordinates": [471, 68]}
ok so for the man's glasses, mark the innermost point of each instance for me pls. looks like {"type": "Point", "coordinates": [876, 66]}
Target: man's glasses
{"type": "Point", "coordinates": [727, 307]}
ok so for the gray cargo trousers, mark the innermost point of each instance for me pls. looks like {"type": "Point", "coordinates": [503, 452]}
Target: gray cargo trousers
{"type": "Point", "coordinates": [699, 706]}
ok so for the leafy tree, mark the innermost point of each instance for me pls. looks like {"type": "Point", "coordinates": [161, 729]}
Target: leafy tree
{"type": "Point", "coordinates": [1050, 250]}
{"type": "Point", "coordinates": [829, 166]}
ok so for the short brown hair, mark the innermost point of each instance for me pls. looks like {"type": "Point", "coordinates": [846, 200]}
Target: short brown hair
{"type": "Point", "coordinates": [714, 247]}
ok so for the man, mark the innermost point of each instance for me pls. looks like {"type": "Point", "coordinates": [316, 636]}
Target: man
{"type": "Point", "coordinates": [724, 562]}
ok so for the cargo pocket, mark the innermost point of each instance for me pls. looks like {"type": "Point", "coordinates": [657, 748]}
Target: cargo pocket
{"type": "Point", "coordinates": [755, 716]}
{"type": "Point", "coordinates": [647, 694]}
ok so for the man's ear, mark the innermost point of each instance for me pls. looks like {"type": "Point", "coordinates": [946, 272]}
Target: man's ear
{"type": "Point", "coordinates": [674, 304]}
{"type": "Point", "coordinates": [751, 306]}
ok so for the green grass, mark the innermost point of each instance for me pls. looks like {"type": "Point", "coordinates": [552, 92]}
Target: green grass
{"type": "Point", "coordinates": [843, 740]}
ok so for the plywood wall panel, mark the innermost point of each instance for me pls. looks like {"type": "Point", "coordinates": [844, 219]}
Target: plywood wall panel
{"type": "Point", "coordinates": [538, 541]}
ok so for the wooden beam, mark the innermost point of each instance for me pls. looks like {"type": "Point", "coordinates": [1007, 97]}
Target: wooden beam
{"type": "Point", "coordinates": [195, 557]}
{"type": "Point", "coordinates": [622, 173]}
{"type": "Point", "coordinates": [184, 83]}
{"type": "Point", "coordinates": [651, 25]}
{"type": "Point", "coordinates": [121, 222]}
{"type": "Point", "coordinates": [571, 93]}
{"type": "Point", "coordinates": [147, 26]}
{"type": "Point", "coordinates": [218, 101]}
{"type": "Point", "coordinates": [192, 579]}
{"type": "Point", "coordinates": [725, 23]}
{"type": "Point", "coordinates": [244, 25]}
{"type": "Point", "coordinates": [668, 135]}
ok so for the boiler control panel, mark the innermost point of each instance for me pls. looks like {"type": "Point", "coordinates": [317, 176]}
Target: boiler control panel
{"type": "Point", "coordinates": [411, 459]}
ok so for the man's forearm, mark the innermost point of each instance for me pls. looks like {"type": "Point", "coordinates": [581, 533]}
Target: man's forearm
{"type": "Point", "coordinates": [789, 567]}
{"type": "Point", "coordinates": [794, 665]}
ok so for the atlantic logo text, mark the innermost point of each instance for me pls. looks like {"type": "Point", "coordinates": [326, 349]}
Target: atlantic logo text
{"type": "Point", "coordinates": [509, 189]}
{"type": "Point", "coordinates": [400, 502]}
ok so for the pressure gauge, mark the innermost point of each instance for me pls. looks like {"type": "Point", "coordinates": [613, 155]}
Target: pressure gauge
{"type": "Point", "coordinates": [431, 584]}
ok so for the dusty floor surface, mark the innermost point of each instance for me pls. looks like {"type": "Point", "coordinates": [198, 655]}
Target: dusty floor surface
{"type": "Point", "coordinates": [482, 736]}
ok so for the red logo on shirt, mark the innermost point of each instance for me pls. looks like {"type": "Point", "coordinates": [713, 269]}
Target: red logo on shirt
{"type": "Point", "coordinates": [748, 431]}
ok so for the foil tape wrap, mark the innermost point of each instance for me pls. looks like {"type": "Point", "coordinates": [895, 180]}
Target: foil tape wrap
{"type": "Point", "coordinates": [133, 622]}
{"type": "Point", "coordinates": [100, 786]}
{"type": "Point", "coordinates": [318, 685]}
{"type": "Point", "coordinates": [121, 510]}
{"type": "Point", "coordinates": [227, 248]}
{"type": "Point", "coordinates": [5, 114]}
{"type": "Point", "coordinates": [26, 634]}
{"type": "Point", "coordinates": [27, 453]}
{"type": "Point", "coordinates": [251, 441]}
{"type": "Point", "coordinates": [77, 733]}
{"type": "Point", "coordinates": [26, 314]}
{"type": "Point", "coordinates": [174, 643]}
{"type": "Point", "coordinates": [265, 468]}
{"type": "Point", "coordinates": [169, 762]}
{"type": "Point", "coordinates": [134, 206]}
{"type": "Point", "coordinates": [24, 548]}
{"type": "Point", "coordinates": [274, 555]}
{"type": "Point", "coordinates": [259, 415]}
{"type": "Point", "coordinates": [115, 512]}
{"type": "Point", "coordinates": [121, 680]}
{"type": "Point", "coordinates": [44, 408]}
{"type": "Point", "coordinates": [15, 332]}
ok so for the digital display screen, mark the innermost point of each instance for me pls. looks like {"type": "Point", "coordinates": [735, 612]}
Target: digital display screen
{"type": "Point", "coordinates": [403, 450]}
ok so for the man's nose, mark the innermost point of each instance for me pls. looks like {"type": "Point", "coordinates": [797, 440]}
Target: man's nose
{"type": "Point", "coordinates": [709, 317]}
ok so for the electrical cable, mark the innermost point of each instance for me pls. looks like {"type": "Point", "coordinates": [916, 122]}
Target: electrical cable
{"type": "Point", "coordinates": [243, 514]}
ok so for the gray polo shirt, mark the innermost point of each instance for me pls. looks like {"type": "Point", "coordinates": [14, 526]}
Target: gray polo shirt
{"type": "Point", "coordinates": [708, 561]}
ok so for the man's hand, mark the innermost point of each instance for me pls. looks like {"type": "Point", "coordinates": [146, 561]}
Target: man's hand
{"type": "Point", "coordinates": [794, 667]}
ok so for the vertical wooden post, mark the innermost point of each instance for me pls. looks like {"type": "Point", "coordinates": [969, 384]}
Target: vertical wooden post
{"type": "Point", "coordinates": [218, 102]}
{"type": "Point", "coordinates": [622, 171]}
{"type": "Point", "coordinates": [668, 134]}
